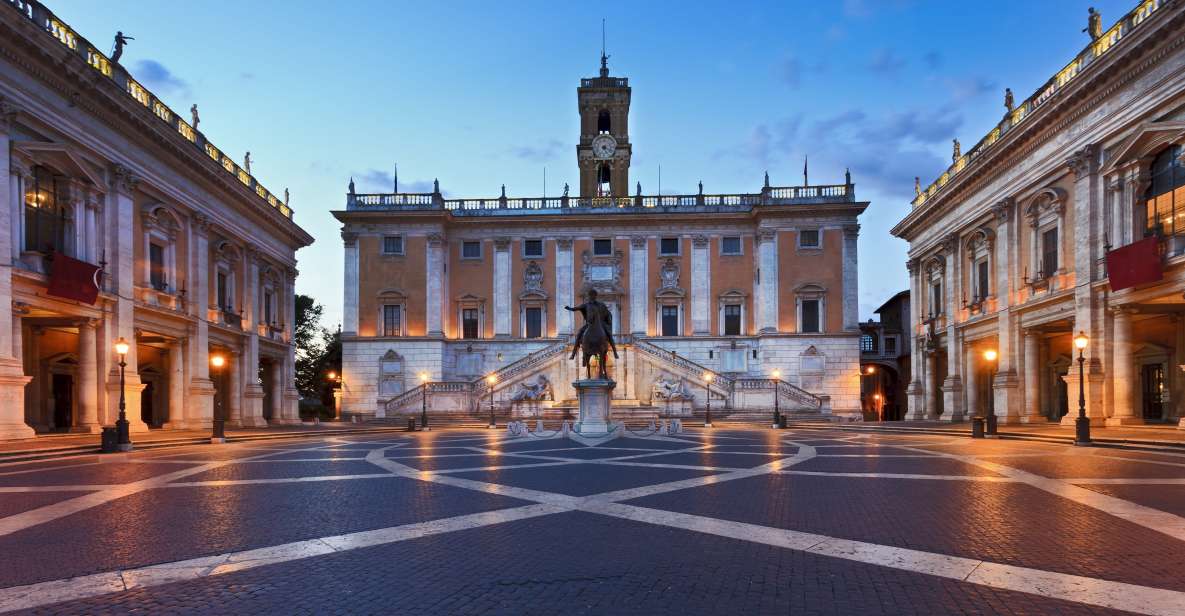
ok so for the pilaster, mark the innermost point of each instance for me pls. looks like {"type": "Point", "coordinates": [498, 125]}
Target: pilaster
{"type": "Point", "coordinates": [563, 285]}
{"type": "Point", "coordinates": [767, 249]}
{"type": "Point", "coordinates": [851, 278]}
{"type": "Point", "coordinates": [12, 373]}
{"type": "Point", "coordinates": [435, 285]}
{"type": "Point", "coordinates": [701, 276]}
{"type": "Point", "coordinates": [639, 284]}
{"type": "Point", "coordinates": [1032, 380]}
{"type": "Point", "coordinates": [1123, 381]}
{"type": "Point", "coordinates": [350, 301]}
{"type": "Point", "coordinates": [88, 378]}
{"type": "Point", "coordinates": [502, 287]}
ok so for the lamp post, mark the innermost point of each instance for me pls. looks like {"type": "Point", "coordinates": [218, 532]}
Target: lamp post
{"type": "Point", "coordinates": [1081, 424]}
{"type": "Point", "coordinates": [777, 374]}
{"type": "Point", "coordinates": [123, 434]}
{"type": "Point", "coordinates": [424, 401]}
{"type": "Point", "coordinates": [867, 371]}
{"type": "Point", "coordinates": [335, 385]}
{"type": "Point", "coordinates": [876, 402]}
{"type": "Point", "coordinates": [218, 425]}
{"type": "Point", "coordinates": [708, 397]}
{"type": "Point", "coordinates": [990, 356]}
{"type": "Point", "coordinates": [492, 379]}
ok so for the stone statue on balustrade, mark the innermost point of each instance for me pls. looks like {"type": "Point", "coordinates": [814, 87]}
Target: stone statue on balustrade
{"type": "Point", "coordinates": [1094, 23]}
{"type": "Point", "coordinates": [194, 117]}
{"type": "Point", "coordinates": [956, 151]}
{"type": "Point", "coordinates": [539, 390]}
{"type": "Point", "coordinates": [1009, 102]}
{"type": "Point", "coordinates": [121, 40]}
{"type": "Point", "coordinates": [670, 390]}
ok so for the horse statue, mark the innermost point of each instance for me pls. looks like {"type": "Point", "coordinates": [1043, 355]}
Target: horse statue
{"type": "Point", "coordinates": [595, 338]}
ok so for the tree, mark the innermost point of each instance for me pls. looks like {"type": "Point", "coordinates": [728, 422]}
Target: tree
{"type": "Point", "coordinates": [311, 340]}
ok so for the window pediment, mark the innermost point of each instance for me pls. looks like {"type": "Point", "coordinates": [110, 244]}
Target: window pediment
{"type": "Point", "coordinates": [1145, 142]}
{"type": "Point", "coordinates": [61, 158]}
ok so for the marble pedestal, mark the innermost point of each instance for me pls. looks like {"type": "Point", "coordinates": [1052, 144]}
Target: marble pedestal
{"type": "Point", "coordinates": [594, 396]}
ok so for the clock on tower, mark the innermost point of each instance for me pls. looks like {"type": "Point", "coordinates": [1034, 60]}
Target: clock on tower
{"type": "Point", "coordinates": [604, 150]}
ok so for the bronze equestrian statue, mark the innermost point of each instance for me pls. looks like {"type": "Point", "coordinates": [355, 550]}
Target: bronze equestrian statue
{"type": "Point", "coordinates": [595, 337]}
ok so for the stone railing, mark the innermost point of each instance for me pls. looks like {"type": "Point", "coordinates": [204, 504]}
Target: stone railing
{"type": "Point", "coordinates": [798, 397]}
{"type": "Point", "coordinates": [1021, 113]}
{"type": "Point", "coordinates": [44, 18]}
{"type": "Point", "coordinates": [692, 371]}
{"type": "Point", "coordinates": [782, 195]}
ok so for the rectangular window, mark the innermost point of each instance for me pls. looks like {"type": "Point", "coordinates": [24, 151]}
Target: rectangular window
{"type": "Point", "coordinates": [221, 290]}
{"type": "Point", "coordinates": [47, 218]}
{"type": "Point", "coordinates": [730, 245]}
{"type": "Point", "coordinates": [866, 344]}
{"type": "Point", "coordinates": [603, 248]}
{"type": "Point", "coordinates": [534, 322]}
{"type": "Point", "coordinates": [469, 323]}
{"type": "Point", "coordinates": [982, 280]}
{"type": "Point", "coordinates": [936, 298]}
{"type": "Point", "coordinates": [393, 244]}
{"type": "Point", "coordinates": [1049, 252]}
{"type": "Point", "coordinates": [810, 316]}
{"type": "Point", "coordinates": [156, 266]}
{"type": "Point", "coordinates": [891, 346]}
{"type": "Point", "coordinates": [532, 248]}
{"type": "Point", "coordinates": [670, 321]}
{"type": "Point", "coordinates": [668, 246]}
{"type": "Point", "coordinates": [808, 238]}
{"type": "Point", "coordinates": [470, 250]}
{"type": "Point", "coordinates": [391, 320]}
{"type": "Point", "coordinates": [732, 320]}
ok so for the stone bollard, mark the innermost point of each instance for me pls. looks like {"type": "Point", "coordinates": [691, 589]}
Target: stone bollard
{"type": "Point", "coordinates": [539, 426]}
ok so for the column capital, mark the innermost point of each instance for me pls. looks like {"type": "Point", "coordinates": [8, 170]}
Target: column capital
{"type": "Point", "coordinates": [638, 241]}
{"type": "Point", "coordinates": [1003, 209]}
{"type": "Point", "coordinates": [699, 241]}
{"type": "Point", "coordinates": [435, 239]}
{"type": "Point", "coordinates": [349, 238]}
{"type": "Point", "coordinates": [563, 243]}
{"type": "Point", "coordinates": [851, 232]}
{"type": "Point", "coordinates": [501, 244]}
{"type": "Point", "coordinates": [88, 323]}
{"type": "Point", "coordinates": [201, 224]}
{"type": "Point", "coordinates": [123, 180]}
{"type": "Point", "coordinates": [8, 111]}
{"type": "Point", "coordinates": [1083, 162]}
{"type": "Point", "coordinates": [1123, 311]}
{"type": "Point", "coordinates": [765, 234]}
{"type": "Point", "coordinates": [253, 254]}
{"type": "Point", "coordinates": [912, 265]}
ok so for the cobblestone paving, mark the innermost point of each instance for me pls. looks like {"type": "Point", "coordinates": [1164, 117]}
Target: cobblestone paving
{"type": "Point", "coordinates": [805, 520]}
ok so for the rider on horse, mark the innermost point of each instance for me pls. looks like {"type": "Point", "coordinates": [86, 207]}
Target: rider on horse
{"type": "Point", "coordinates": [583, 309]}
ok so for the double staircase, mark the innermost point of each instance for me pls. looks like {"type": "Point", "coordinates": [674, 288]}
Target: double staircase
{"type": "Point", "coordinates": [469, 398]}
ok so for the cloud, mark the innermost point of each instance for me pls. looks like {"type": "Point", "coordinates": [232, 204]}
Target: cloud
{"type": "Point", "coordinates": [966, 89]}
{"type": "Point", "coordinates": [932, 60]}
{"type": "Point", "coordinates": [886, 61]}
{"type": "Point", "coordinates": [542, 153]}
{"type": "Point", "coordinates": [158, 78]}
{"type": "Point", "coordinates": [376, 181]}
{"type": "Point", "coordinates": [790, 71]}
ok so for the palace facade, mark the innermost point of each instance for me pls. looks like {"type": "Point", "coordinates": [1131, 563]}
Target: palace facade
{"type": "Point", "coordinates": [1068, 217]}
{"type": "Point", "coordinates": [757, 291]}
{"type": "Point", "coordinates": [122, 220]}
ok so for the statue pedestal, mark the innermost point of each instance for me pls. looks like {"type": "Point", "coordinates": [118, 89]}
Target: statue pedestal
{"type": "Point", "coordinates": [594, 396]}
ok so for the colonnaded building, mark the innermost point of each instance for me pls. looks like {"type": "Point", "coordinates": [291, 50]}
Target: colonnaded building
{"type": "Point", "coordinates": [1068, 217]}
{"type": "Point", "coordinates": [122, 220]}
{"type": "Point", "coordinates": [757, 291]}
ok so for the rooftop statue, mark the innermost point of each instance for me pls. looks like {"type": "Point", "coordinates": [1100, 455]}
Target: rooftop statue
{"type": "Point", "coordinates": [247, 162]}
{"type": "Point", "coordinates": [194, 117]}
{"type": "Point", "coordinates": [917, 185]}
{"type": "Point", "coordinates": [595, 337]}
{"type": "Point", "coordinates": [120, 41]}
{"type": "Point", "coordinates": [1094, 24]}
{"type": "Point", "coordinates": [1008, 102]}
{"type": "Point", "coordinates": [957, 151]}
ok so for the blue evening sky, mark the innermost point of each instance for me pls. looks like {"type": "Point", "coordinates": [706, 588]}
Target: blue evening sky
{"type": "Point", "coordinates": [481, 94]}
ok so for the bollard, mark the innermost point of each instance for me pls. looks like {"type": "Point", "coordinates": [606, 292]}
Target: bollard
{"type": "Point", "coordinates": [977, 427]}
{"type": "Point", "coordinates": [991, 426]}
{"type": "Point", "coordinates": [411, 424]}
{"type": "Point", "coordinates": [109, 440]}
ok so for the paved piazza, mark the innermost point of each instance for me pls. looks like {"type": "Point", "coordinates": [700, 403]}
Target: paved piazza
{"type": "Point", "coordinates": [473, 522]}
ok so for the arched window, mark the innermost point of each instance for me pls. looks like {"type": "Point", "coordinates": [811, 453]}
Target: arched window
{"type": "Point", "coordinates": [1166, 192]}
{"type": "Point", "coordinates": [603, 180]}
{"type": "Point", "coordinates": [48, 217]}
{"type": "Point", "coordinates": [604, 124]}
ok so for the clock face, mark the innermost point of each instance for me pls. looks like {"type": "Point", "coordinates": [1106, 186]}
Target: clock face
{"type": "Point", "coordinates": [603, 146]}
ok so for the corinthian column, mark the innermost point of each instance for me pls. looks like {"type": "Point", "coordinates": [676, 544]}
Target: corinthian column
{"type": "Point", "coordinates": [1032, 370]}
{"type": "Point", "coordinates": [88, 378]}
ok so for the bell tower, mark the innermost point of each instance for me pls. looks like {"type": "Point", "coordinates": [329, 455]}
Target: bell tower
{"type": "Point", "coordinates": [604, 150]}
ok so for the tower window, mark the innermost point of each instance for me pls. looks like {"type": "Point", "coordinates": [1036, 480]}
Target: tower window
{"type": "Point", "coordinates": [668, 246]}
{"type": "Point", "coordinates": [470, 250]}
{"type": "Point", "coordinates": [604, 124]}
{"type": "Point", "coordinates": [532, 248]}
{"type": "Point", "coordinates": [602, 248]}
{"type": "Point", "coordinates": [604, 180]}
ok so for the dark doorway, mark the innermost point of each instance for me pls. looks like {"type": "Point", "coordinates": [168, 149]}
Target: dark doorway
{"type": "Point", "coordinates": [63, 401]}
{"type": "Point", "coordinates": [1152, 387]}
{"type": "Point", "coordinates": [265, 377]}
{"type": "Point", "coordinates": [147, 408]}
{"type": "Point", "coordinates": [1063, 395]}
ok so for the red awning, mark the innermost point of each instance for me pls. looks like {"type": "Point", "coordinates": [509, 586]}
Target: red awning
{"type": "Point", "coordinates": [1135, 264]}
{"type": "Point", "coordinates": [73, 279]}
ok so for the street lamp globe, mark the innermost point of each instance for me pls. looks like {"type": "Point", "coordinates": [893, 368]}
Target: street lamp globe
{"type": "Point", "coordinates": [332, 375]}
{"type": "Point", "coordinates": [777, 374]}
{"type": "Point", "coordinates": [707, 377]}
{"type": "Point", "coordinates": [121, 346]}
{"type": "Point", "coordinates": [491, 379]}
{"type": "Point", "coordinates": [990, 355]}
{"type": "Point", "coordinates": [870, 370]}
{"type": "Point", "coordinates": [217, 361]}
{"type": "Point", "coordinates": [1080, 341]}
{"type": "Point", "coordinates": [423, 377]}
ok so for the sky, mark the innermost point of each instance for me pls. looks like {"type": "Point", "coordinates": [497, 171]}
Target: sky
{"type": "Point", "coordinates": [480, 94]}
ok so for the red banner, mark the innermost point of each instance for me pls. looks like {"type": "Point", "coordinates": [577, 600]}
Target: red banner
{"type": "Point", "coordinates": [74, 279]}
{"type": "Point", "coordinates": [1135, 264]}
